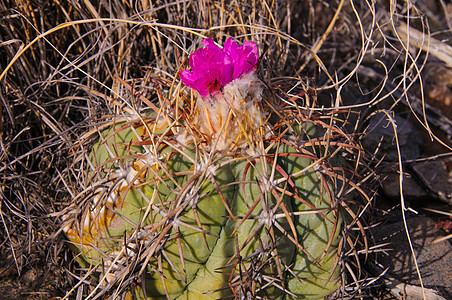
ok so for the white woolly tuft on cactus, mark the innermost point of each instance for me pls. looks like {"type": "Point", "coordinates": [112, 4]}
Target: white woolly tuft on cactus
{"type": "Point", "coordinates": [230, 119]}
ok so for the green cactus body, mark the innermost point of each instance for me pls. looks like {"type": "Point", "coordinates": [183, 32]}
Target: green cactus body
{"type": "Point", "coordinates": [203, 230]}
{"type": "Point", "coordinates": [213, 207]}
{"type": "Point", "coordinates": [200, 203]}
{"type": "Point", "coordinates": [315, 270]}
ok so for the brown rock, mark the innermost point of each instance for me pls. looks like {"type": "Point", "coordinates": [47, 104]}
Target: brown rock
{"type": "Point", "coordinates": [423, 180]}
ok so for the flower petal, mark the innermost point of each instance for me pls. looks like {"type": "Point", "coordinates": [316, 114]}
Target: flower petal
{"type": "Point", "coordinates": [213, 67]}
{"type": "Point", "coordinates": [210, 45]}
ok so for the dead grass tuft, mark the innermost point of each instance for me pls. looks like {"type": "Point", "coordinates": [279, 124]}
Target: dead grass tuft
{"type": "Point", "coordinates": [69, 67]}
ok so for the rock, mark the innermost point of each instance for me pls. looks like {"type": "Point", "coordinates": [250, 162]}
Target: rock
{"type": "Point", "coordinates": [412, 190]}
{"type": "Point", "coordinates": [436, 177]}
{"type": "Point", "coordinates": [428, 179]}
{"type": "Point", "coordinates": [380, 139]}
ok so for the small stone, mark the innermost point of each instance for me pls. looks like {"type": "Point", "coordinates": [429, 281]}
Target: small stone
{"type": "Point", "coordinates": [380, 138]}
{"type": "Point", "coordinates": [429, 179]}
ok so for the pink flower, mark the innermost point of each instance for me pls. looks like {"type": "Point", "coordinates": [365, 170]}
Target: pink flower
{"type": "Point", "coordinates": [212, 67]}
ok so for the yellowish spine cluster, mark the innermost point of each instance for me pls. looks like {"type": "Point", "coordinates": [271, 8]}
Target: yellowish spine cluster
{"type": "Point", "coordinates": [232, 120]}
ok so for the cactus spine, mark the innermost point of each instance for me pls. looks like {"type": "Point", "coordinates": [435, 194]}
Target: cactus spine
{"type": "Point", "coordinates": [213, 199]}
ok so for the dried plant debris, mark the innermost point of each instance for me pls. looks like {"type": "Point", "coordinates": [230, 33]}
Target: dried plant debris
{"type": "Point", "coordinates": [439, 85]}
{"type": "Point", "coordinates": [114, 169]}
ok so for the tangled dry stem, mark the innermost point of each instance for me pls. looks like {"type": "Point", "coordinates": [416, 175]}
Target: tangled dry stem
{"type": "Point", "coordinates": [58, 93]}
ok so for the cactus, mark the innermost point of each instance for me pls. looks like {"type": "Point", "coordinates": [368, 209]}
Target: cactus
{"type": "Point", "coordinates": [221, 198]}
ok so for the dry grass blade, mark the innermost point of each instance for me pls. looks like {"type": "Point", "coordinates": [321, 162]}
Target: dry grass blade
{"type": "Point", "coordinates": [73, 70]}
